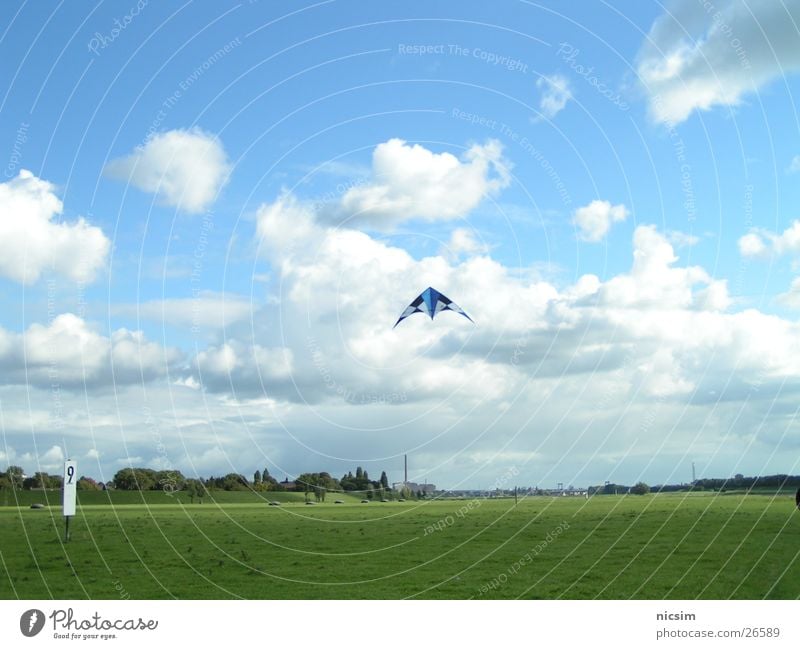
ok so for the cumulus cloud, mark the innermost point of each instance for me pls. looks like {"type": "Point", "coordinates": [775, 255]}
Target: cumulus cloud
{"type": "Point", "coordinates": [67, 352]}
{"type": "Point", "coordinates": [762, 243]}
{"type": "Point", "coordinates": [682, 239]}
{"type": "Point", "coordinates": [52, 459]}
{"type": "Point", "coordinates": [563, 375]}
{"type": "Point", "coordinates": [186, 169]}
{"type": "Point", "coordinates": [752, 245]}
{"type": "Point", "coordinates": [412, 182]}
{"type": "Point", "coordinates": [791, 298]}
{"type": "Point", "coordinates": [31, 243]}
{"type": "Point", "coordinates": [595, 219]}
{"type": "Point", "coordinates": [341, 343]}
{"type": "Point", "coordinates": [660, 329]}
{"type": "Point", "coordinates": [208, 310]}
{"type": "Point", "coordinates": [48, 461]}
{"type": "Point", "coordinates": [240, 367]}
{"type": "Point", "coordinates": [464, 242]}
{"type": "Point", "coordinates": [556, 92]}
{"type": "Point", "coordinates": [700, 55]}
{"type": "Point", "coordinates": [656, 282]}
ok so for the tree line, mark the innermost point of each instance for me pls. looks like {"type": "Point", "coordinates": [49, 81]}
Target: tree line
{"type": "Point", "coordinates": [775, 482]}
{"type": "Point", "coordinates": [321, 483]}
{"type": "Point", "coordinates": [146, 479]}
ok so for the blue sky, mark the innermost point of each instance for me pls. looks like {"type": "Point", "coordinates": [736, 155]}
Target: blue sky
{"type": "Point", "coordinates": [251, 192]}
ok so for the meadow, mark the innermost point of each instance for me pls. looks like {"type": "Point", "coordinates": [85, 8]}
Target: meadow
{"type": "Point", "coordinates": [674, 546]}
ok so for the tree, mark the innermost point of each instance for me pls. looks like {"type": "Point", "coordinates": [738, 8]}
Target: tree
{"type": "Point", "coordinates": [14, 475]}
{"type": "Point", "coordinates": [306, 482]}
{"type": "Point", "coordinates": [234, 482]}
{"type": "Point", "coordinates": [42, 480]}
{"type": "Point", "coordinates": [384, 480]}
{"type": "Point", "coordinates": [269, 483]}
{"type": "Point", "coordinates": [349, 482]}
{"type": "Point", "coordinates": [132, 479]}
{"type": "Point", "coordinates": [190, 489]}
{"type": "Point", "coordinates": [257, 477]}
{"type": "Point", "coordinates": [169, 480]}
{"type": "Point", "coordinates": [86, 483]}
{"type": "Point", "coordinates": [640, 489]}
{"type": "Point", "coordinates": [319, 483]}
{"type": "Point", "coordinates": [195, 489]}
{"type": "Point", "coordinates": [200, 490]}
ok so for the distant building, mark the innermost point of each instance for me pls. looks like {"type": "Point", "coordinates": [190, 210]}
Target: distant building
{"type": "Point", "coordinates": [288, 486]}
{"type": "Point", "coordinates": [424, 487]}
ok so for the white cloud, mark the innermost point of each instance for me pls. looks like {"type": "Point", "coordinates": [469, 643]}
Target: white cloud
{"type": "Point", "coordinates": [682, 239]}
{"type": "Point", "coordinates": [31, 243]}
{"type": "Point", "coordinates": [551, 378]}
{"type": "Point", "coordinates": [411, 182]}
{"type": "Point", "coordinates": [794, 165]}
{"type": "Point", "coordinates": [70, 354]}
{"type": "Point", "coordinates": [752, 245]}
{"type": "Point", "coordinates": [791, 298]}
{"type": "Point", "coordinates": [595, 219]}
{"type": "Point", "coordinates": [656, 282]}
{"type": "Point", "coordinates": [463, 242]}
{"type": "Point", "coordinates": [556, 92]}
{"type": "Point", "coordinates": [587, 327]}
{"type": "Point", "coordinates": [49, 461]}
{"type": "Point", "coordinates": [697, 56]}
{"type": "Point", "coordinates": [184, 168]}
{"type": "Point", "coordinates": [761, 243]}
{"type": "Point", "coordinates": [52, 460]}
{"type": "Point", "coordinates": [131, 461]}
{"type": "Point", "coordinates": [208, 310]}
{"type": "Point", "coordinates": [585, 360]}
{"type": "Point", "coordinates": [240, 367]}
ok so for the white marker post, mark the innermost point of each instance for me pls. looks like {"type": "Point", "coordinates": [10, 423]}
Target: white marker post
{"type": "Point", "coordinates": [69, 491]}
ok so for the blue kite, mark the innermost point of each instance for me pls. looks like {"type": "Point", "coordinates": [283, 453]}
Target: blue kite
{"type": "Point", "coordinates": [430, 301]}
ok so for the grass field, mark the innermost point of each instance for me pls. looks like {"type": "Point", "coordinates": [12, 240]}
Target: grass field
{"type": "Point", "coordinates": [617, 547]}
{"type": "Point", "coordinates": [119, 497]}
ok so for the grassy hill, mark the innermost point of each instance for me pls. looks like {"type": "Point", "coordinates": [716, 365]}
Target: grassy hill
{"type": "Point", "coordinates": [119, 497]}
{"type": "Point", "coordinates": [664, 546]}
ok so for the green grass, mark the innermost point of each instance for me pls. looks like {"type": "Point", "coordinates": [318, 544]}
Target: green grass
{"type": "Point", "coordinates": [675, 546]}
{"type": "Point", "coordinates": [53, 497]}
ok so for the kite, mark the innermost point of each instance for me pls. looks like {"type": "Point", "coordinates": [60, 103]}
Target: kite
{"type": "Point", "coordinates": [430, 301]}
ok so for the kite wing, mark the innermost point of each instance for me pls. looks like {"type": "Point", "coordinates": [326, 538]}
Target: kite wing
{"type": "Point", "coordinates": [431, 302]}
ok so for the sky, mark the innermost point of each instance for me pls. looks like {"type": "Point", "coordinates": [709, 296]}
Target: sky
{"type": "Point", "coordinates": [211, 215]}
